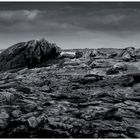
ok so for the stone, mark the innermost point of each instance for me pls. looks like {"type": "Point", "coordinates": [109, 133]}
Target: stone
{"type": "Point", "coordinates": [28, 54]}
{"type": "Point", "coordinates": [133, 131]}
{"type": "Point", "coordinates": [7, 98]}
{"type": "Point", "coordinates": [4, 119]}
{"type": "Point", "coordinates": [120, 66]}
{"type": "Point", "coordinates": [126, 57]}
{"type": "Point", "coordinates": [113, 55]}
{"type": "Point", "coordinates": [23, 89]}
{"type": "Point", "coordinates": [78, 54]}
{"type": "Point", "coordinates": [128, 54]}
{"type": "Point", "coordinates": [89, 78]}
{"type": "Point", "coordinates": [111, 71]}
{"type": "Point", "coordinates": [16, 113]}
{"type": "Point", "coordinates": [94, 53]}
{"type": "Point", "coordinates": [45, 88]}
{"type": "Point", "coordinates": [28, 105]}
{"type": "Point", "coordinates": [20, 131]}
{"type": "Point", "coordinates": [33, 122]}
{"type": "Point", "coordinates": [99, 64]}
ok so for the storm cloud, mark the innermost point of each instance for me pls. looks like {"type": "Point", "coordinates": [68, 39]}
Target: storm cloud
{"type": "Point", "coordinates": [71, 24]}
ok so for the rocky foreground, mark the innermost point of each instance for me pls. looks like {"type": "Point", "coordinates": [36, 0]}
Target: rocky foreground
{"type": "Point", "coordinates": [90, 95]}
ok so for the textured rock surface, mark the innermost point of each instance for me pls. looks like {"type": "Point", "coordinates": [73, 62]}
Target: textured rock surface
{"type": "Point", "coordinates": [71, 99]}
{"type": "Point", "coordinates": [28, 54]}
{"type": "Point", "coordinates": [130, 53]}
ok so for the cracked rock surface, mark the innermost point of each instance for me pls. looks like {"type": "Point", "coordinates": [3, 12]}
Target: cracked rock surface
{"type": "Point", "coordinates": [74, 98]}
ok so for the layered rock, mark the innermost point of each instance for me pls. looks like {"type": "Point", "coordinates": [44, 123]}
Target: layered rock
{"type": "Point", "coordinates": [28, 54]}
{"type": "Point", "coordinates": [130, 53]}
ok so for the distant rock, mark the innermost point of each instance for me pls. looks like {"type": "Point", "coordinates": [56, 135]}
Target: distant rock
{"type": "Point", "coordinates": [97, 54]}
{"type": "Point", "coordinates": [130, 53]}
{"type": "Point", "coordinates": [120, 66]}
{"type": "Point", "coordinates": [70, 55]}
{"type": "Point", "coordinates": [112, 55]}
{"type": "Point", "coordinates": [94, 53]}
{"type": "Point", "coordinates": [78, 54]}
{"type": "Point", "coordinates": [28, 54]}
{"type": "Point", "coordinates": [99, 64]}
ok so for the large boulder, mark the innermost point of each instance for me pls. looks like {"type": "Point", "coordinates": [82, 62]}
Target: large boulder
{"type": "Point", "coordinates": [94, 53]}
{"type": "Point", "coordinates": [28, 54]}
{"type": "Point", "coordinates": [127, 53]}
{"type": "Point", "coordinates": [130, 53]}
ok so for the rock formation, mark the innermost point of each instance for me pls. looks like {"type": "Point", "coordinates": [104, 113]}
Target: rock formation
{"type": "Point", "coordinates": [28, 54]}
{"type": "Point", "coordinates": [130, 53]}
{"type": "Point", "coordinates": [85, 97]}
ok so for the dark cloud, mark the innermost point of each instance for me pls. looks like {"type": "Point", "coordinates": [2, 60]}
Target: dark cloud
{"type": "Point", "coordinates": [72, 19]}
{"type": "Point", "coordinates": [61, 16]}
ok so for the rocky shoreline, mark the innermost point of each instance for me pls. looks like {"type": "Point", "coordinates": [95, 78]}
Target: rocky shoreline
{"type": "Point", "coordinates": [88, 95]}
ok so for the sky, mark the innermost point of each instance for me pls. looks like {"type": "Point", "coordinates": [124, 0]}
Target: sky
{"type": "Point", "coordinates": [71, 24]}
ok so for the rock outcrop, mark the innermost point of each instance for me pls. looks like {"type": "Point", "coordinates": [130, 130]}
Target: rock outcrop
{"type": "Point", "coordinates": [28, 54]}
{"type": "Point", "coordinates": [130, 53]}
{"type": "Point", "coordinates": [76, 98]}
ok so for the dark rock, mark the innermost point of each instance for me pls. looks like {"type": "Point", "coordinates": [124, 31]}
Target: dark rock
{"type": "Point", "coordinates": [45, 88]}
{"type": "Point", "coordinates": [23, 89]}
{"type": "Point", "coordinates": [117, 68]}
{"type": "Point", "coordinates": [28, 54]}
{"type": "Point", "coordinates": [87, 79]}
{"type": "Point", "coordinates": [136, 77]}
{"type": "Point", "coordinates": [48, 132]}
{"type": "Point", "coordinates": [127, 80]}
{"type": "Point", "coordinates": [72, 101]}
{"type": "Point", "coordinates": [120, 66]}
{"type": "Point", "coordinates": [94, 112]}
{"type": "Point", "coordinates": [20, 131]}
{"type": "Point", "coordinates": [28, 105]}
{"type": "Point", "coordinates": [78, 54]}
{"type": "Point", "coordinates": [111, 71]}
{"type": "Point", "coordinates": [7, 98]}
{"type": "Point", "coordinates": [94, 53]}
{"type": "Point", "coordinates": [16, 113]}
{"type": "Point", "coordinates": [113, 55]}
{"type": "Point", "coordinates": [33, 123]}
{"type": "Point", "coordinates": [115, 135]}
{"type": "Point", "coordinates": [4, 119]}
{"type": "Point", "coordinates": [99, 64]}
{"type": "Point", "coordinates": [129, 53]}
{"type": "Point", "coordinates": [133, 131]}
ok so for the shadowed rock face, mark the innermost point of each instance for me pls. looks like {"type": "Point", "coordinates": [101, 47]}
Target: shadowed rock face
{"type": "Point", "coordinates": [28, 54]}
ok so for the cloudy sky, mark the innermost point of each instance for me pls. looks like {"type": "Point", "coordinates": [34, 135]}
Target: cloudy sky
{"type": "Point", "coordinates": [71, 24]}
